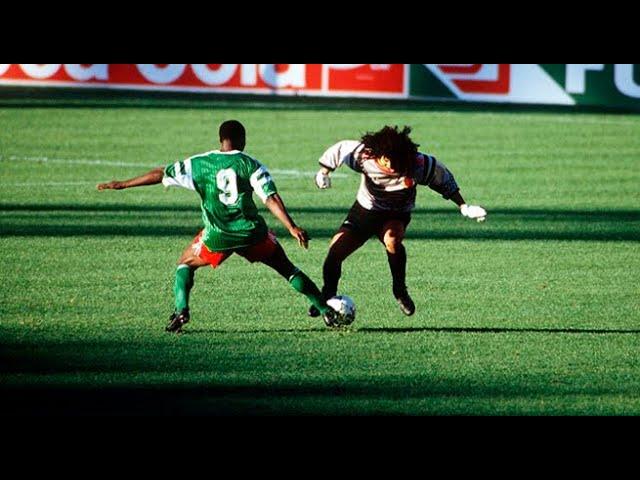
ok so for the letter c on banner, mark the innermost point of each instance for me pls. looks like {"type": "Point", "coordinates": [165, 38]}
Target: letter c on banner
{"type": "Point", "coordinates": [40, 70]}
{"type": "Point", "coordinates": [3, 68]}
{"type": "Point", "coordinates": [157, 74]}
{"type": "Point", "coordinates": [214, 77]}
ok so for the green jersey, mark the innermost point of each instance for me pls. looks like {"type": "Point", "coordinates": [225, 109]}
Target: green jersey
{"type": "Point", "coordinates": [225, 182]}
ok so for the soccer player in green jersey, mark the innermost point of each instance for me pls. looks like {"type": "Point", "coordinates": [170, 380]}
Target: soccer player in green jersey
{"type": "Point", "coordinates": [225, 180]}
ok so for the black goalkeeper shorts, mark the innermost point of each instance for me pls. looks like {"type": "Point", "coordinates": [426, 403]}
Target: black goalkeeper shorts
{"type": "Point", "coordinates": [367, 223]}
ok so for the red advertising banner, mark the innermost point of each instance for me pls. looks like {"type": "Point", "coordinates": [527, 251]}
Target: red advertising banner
{"type": "Point", "coordinates": [363, 77]}
{"type": "Point", "coordinates": [380, 80]}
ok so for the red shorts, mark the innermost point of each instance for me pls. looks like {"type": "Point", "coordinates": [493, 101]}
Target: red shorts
{"type": "Point", "coordinates": [254, 253]}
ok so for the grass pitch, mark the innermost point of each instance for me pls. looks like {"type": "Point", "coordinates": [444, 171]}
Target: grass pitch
{"type": "Point", "coordinates": [534, 312]}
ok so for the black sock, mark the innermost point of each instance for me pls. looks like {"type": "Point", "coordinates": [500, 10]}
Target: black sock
{"type": "Point", "coordinates": [331, 272]}
{"type": "Point", "coordinates": [398, 266]}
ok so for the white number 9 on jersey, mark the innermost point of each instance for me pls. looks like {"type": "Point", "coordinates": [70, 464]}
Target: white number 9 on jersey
{"type": "Point", "coordinates": [227, 181]}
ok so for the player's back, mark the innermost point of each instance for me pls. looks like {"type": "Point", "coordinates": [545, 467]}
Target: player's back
{"type": "Point", "coordinates": [225, 182]}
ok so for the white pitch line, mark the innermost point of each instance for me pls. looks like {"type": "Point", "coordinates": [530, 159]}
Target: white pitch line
{"type": "Point", "coordinates": [67, 161]}
{"type": "Point", "coordinates": [48, 184]}
{"type": "Point", "coordinates": [13, 158]}
{"type": "Point", "coordinates": [302, 173]}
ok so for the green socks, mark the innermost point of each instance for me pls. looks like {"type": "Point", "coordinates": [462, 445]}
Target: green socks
{"type": "Point", "coordinates": [182, 286]}
{"type": "Point", "coordinates": [299, 281]}
{"type": "Point", "coordinates": [305, 286]}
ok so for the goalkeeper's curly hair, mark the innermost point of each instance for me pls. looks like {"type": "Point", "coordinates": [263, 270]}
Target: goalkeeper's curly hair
{"type": "Point", "coordinates": [394, 144]}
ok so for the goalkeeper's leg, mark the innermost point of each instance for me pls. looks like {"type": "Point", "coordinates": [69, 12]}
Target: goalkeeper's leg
{"type": "Point", "coordinates": [343, 244]}
{"type": "Point", "coordinates": [391, 235]}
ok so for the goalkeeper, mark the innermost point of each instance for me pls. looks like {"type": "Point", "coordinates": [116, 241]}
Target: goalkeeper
{"type": "Point", "coordinates": [224, 180]}
{"type": "Point", "coordinates": [391, 168]}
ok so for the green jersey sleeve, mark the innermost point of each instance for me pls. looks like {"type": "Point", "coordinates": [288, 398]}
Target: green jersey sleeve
{"type": "Point", "coordinates": [261, 181]}
{"type": "Point", "coordinates": [179, 174]}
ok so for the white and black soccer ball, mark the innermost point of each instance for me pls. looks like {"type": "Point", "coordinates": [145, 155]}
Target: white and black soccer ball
{"type": "Point", "coordinates": [345, 307]}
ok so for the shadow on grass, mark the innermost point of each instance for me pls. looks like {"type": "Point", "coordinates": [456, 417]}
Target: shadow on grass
{"type": "Point", "coordinates": [387, 396]}
{"type": "Point", "coordinates": [160, 220]}
{"type": "Point", "coordinates": [585, 215]}
{"type": "Point", "coordinates": [223, 400]}
{"type": "Point", "coordinates": [107, 356]}
{"type": "Point", "coordinates": [95, 391]}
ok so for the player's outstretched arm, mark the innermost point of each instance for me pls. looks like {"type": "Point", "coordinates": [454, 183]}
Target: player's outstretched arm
{"type": "Point", "coordinates": [150, 178]}
{"type": "Point", "coordinates": [469, 211]}
{"type": "Point", "coordinates": [275, 204]}
{"type": "Point", "coordinates": [442, 181]}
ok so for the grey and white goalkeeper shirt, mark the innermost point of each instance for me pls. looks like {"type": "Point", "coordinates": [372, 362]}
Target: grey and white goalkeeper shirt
{"type": "Point", "coordinates": [381, 190]}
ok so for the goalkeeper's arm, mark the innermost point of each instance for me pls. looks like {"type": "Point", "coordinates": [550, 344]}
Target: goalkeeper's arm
{"type": "Point", "coordinates": [469, 211]}
{"type": "Point", "coordinates": [341, 153]}
{"type": "Point", "coordinates": [441, 180]}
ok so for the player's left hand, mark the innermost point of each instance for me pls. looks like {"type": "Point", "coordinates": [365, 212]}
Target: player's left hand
{"type": "Point", "coordinates": [473, 211]}
{"type": "Point", "coordinates": [301, 235]}
{"type": "Point", "coordinates": [113, 185]}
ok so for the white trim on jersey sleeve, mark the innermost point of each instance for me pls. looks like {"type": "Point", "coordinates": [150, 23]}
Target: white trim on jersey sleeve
{"type": "Point", "coordinates": [183, 176]}
{"type": "Point", "coordinates": [258, 180]}
{"type": "Point", "coordinates": [338, 154]}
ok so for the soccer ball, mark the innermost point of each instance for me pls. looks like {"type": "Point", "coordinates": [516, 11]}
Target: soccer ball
{"type": "Point", "coordinates": [345, 307]}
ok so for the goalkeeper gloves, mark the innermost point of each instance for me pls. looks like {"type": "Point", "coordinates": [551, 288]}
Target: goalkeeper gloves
{"type": "Point", "coordinates": [473, 211]}
{"type": "Point", "coordinates": [322, 180]}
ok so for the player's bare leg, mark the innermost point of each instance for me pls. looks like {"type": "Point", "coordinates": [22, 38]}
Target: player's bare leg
{"type": "Point", "coordinates": [299, 281]}
{"type": "Point", "coordinates": [343, 244]}
{"type": "Point", "coordinates": [392, 235]}
{"type": "Point", "coordinates": [188, 263]}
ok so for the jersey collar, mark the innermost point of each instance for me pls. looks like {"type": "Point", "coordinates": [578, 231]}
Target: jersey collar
{"type": "Point", "coordinates": [230, 152]}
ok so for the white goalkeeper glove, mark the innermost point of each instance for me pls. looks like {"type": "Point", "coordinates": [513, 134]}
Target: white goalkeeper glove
{"type": "Point", "coordinates": [323, 180]}
{"type": "Point", "coordinates": [473, 211]}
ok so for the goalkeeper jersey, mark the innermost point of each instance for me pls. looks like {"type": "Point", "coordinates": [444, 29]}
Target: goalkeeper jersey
{"type": "Point", "coordinates": [225, 182]}
{"type": "Point", "coordinates": [383, 191]}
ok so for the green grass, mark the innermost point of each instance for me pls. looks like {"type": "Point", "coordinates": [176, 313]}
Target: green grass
{"type": "Point", "coordinates": [534, 312]}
